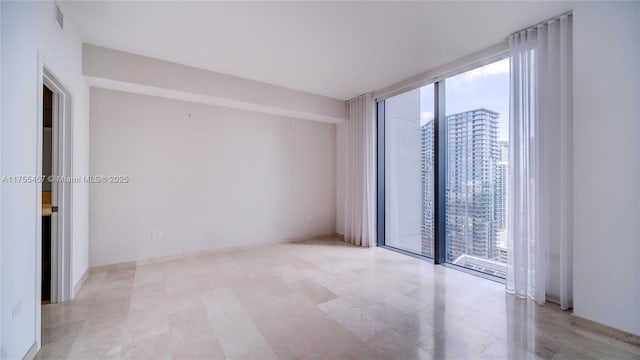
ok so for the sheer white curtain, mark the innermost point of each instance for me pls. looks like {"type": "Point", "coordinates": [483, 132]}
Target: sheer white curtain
{"type": "Point", "coordinates": [360, 201]}
{"type": "Point", "coordinates": [540, 234]}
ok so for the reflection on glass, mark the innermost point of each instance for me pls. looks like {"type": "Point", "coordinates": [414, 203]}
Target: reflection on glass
{"type": "Point", "coordinates": [477, 118]}
{"type": "Point", "coordinates": [409, 171]}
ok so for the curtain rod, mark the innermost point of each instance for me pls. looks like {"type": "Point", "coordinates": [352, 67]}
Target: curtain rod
{"type": "Point", "coordinates": [555, 18]}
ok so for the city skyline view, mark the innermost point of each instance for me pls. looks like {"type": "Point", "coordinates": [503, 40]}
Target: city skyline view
{"type": "Point", "coordinates": [476, 192]}
{"type": "Point", "coordinates": [478, 199]}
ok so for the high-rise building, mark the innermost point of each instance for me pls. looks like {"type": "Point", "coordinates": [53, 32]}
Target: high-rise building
{"type": "Point", "coordinates": [428, 216]}
{"type": "Point", "coordinates": [503, 150]}
{"type": "Point", "coordinates": [502, 197]}
{"type": "Point", "coordinates": [477, 190]}
{"type": "Point", "coordinates": [501, 192]}
{"type": "Point", "coordinates": [472, 157]}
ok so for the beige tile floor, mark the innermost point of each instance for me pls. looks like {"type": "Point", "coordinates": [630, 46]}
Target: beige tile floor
{"type": "Point", "coordinates": [320, 299]}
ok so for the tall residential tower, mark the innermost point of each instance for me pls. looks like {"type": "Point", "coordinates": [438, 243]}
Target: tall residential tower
{"type": "Point", "coordinates": [428, 211]}
{"type": "Point", "coordinates": [472, 157]}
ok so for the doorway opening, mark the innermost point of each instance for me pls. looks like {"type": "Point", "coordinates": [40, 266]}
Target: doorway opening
{"type": "Point", "coordinates": [54, 192]}
{"type": "Point", "coordinates": [47, 172]}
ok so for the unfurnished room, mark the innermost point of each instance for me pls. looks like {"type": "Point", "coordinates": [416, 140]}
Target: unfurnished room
{"type": "Point", "coordinates": [319, 180]}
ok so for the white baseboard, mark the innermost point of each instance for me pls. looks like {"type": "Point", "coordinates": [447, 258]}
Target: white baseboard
{"type": "Point", "coordinates": [80, 283]}
{"type": "Point", "coordinates": [607, 331]}
{"type": "Point", "coordinates": [31, 354]}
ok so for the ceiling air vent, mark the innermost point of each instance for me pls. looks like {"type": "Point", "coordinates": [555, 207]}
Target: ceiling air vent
{"type": "Point", "coordinates": [59, 17]}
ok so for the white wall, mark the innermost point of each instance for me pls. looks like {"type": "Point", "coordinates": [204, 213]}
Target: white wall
{"type": "Point", "coordinates": [206, 177]}
{"type": "Point", "coordinates": [606, 164]}
{"type": "Point", "coordinates": [340, 176]}
{"type": "Point", "coordinates": [118, 70]}
{"type": "Point", "coordinates": [29, 29]}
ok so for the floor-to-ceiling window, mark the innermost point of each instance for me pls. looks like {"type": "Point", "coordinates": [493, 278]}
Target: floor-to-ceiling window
{"type": "Point", "coordinates": [446, 169]}
{"type": "Point", "coordinates": [408, 148]}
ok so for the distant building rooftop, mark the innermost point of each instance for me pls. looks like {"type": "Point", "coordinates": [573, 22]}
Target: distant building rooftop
{"type": "Point", "coordinates": [487, 266]}
{"type": "Point", "coordinates": [475, 110]}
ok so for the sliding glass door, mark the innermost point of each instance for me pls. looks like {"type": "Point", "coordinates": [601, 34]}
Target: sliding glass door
{"type": "Point", "coordinates": [477, 115]}
{"type": "Point", "coordinates": [445, 169]}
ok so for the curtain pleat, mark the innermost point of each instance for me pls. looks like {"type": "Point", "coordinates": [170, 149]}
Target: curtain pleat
{"type": "Point", "coordinates": [360, 175]}
{"type": "Point", "coordinates": [540, 209]}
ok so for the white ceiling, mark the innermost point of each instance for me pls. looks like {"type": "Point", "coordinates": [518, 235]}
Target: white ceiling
{"type": "Point", "coordinates": [337, 49]}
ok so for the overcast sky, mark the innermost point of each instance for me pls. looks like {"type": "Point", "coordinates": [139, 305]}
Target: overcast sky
{"type": "Point", "coordinates": [484, 87]}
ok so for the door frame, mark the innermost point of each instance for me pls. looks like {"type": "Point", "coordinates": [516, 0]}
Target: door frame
{"type": "Point", "coordinates": [61, 191]}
